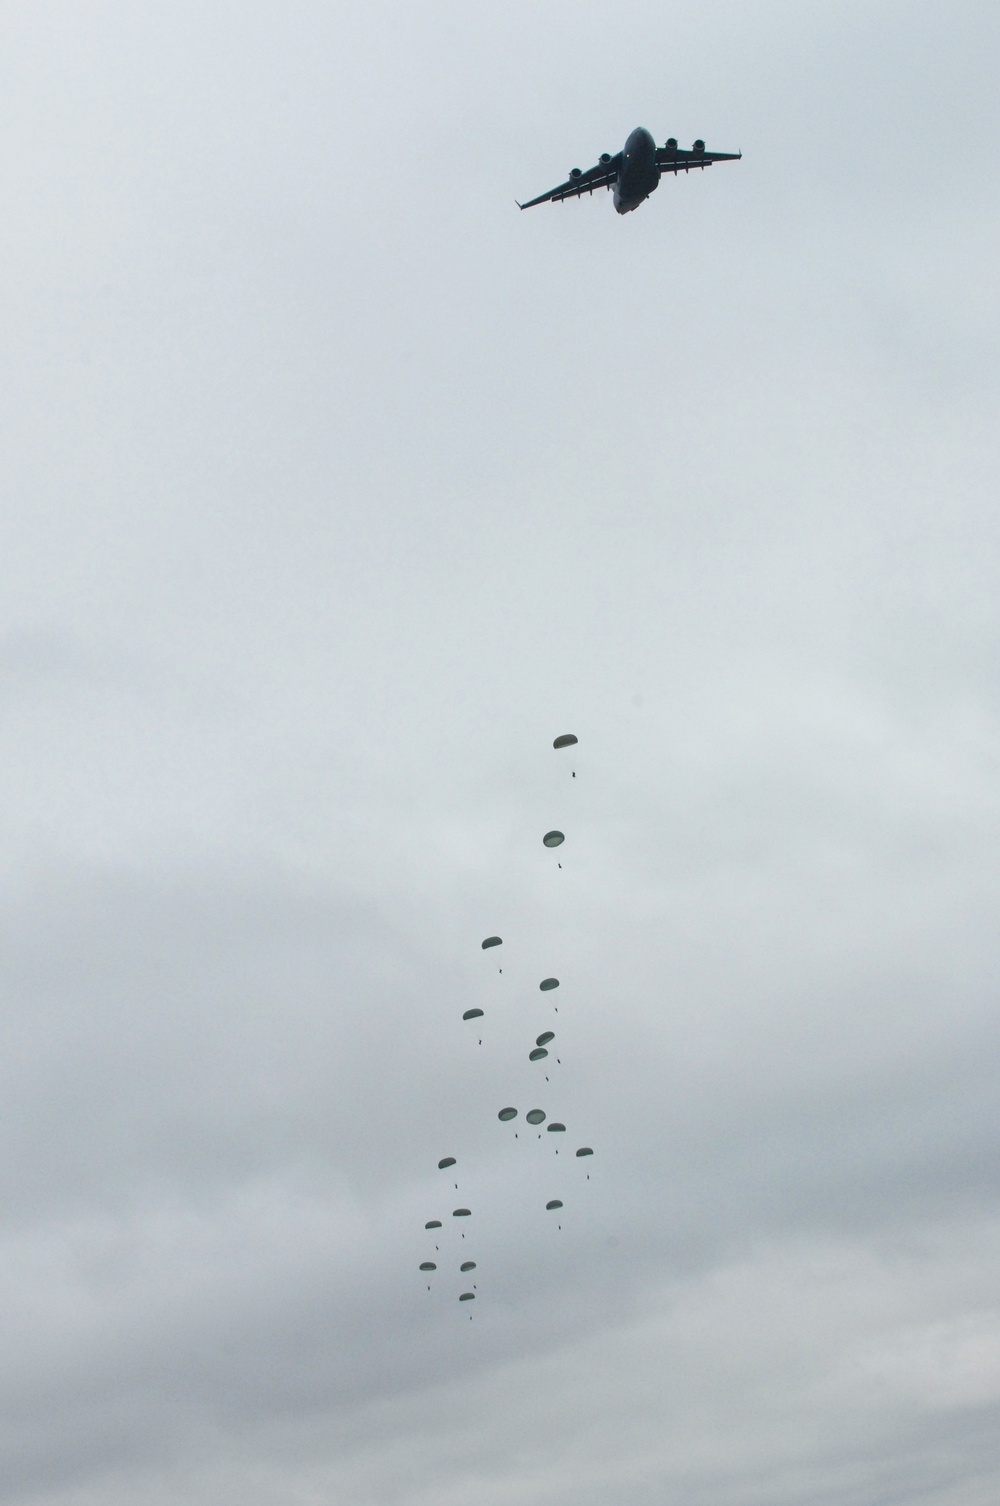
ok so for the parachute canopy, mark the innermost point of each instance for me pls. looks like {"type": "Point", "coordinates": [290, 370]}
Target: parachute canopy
{"type": "Point", "coordinates": [535, 1116]}
{"type": "Point", "coordinates": [537, 1055]}
{"type": "Point", "coordinates": [553, 838]}
{"type": "Point", "coordinates": [448, 1161]}
{"type": "Point", "coordinates": [461, 1213]}
{"type": "Point", "coordinates": [555, 1203]}
{"type": "Point", "coordinates": [467, 1265]}
{"type": "Point", "coordinates": [585, 1150]}
{"type": "Point", "coordinates": [555, 1126]}
{"type": "Point", "coordinates": [548, 983]}
{"type": "Point", "coordinates": [472, 1014]}
{"type": "Point", "coordinates": [492, 941]}
{"type": "Point", "coordinates": [467, 1297]}
{"type": "Point", "coordinates": [435, 1223]}
{"type": "Point", "coordinates": [428, 1265]}
{"type": "Point", "coordinates": [566, 741]}
{"type": "Point", "coordinates": [545, 1037]}
{"type": "Point", "coordinates": [506, 1114]}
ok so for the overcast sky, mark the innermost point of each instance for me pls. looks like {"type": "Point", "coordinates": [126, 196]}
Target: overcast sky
{"type": "Point", "coordinates": [334, 490]}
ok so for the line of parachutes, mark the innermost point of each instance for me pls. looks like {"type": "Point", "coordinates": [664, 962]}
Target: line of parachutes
{"type": "Point", "coordinates": [535, 1117]}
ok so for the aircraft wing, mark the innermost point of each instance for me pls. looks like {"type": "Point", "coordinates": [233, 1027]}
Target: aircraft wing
{"type": "Point", "coordinates": [601, 176]}
{"type": "Point", "coordinates": [674, 159]}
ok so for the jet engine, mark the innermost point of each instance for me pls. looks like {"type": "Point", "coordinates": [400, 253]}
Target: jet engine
{"type": "Point", "coordinates": [671, 143]}
{"type": "Point", "coordinates": [576, 172]}
{"type": "Point", "coordinates": [699, 146]}
{"type": "Point", "coordinates": [605, 158]}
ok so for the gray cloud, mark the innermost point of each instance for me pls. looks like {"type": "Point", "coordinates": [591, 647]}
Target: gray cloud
{"type": "Point", "coordinates": [336, 490]}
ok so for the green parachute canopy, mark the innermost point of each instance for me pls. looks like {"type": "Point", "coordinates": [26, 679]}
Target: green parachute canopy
{"type": "Point", "coordinates": [545, 1037]}
{"type": "Point", "coordinates": [428, 1265]}
{"type": "Point", "coordinates": [472, 1014]}
{"type": "Point", "coordinates": [448, 1161]}
{"type": "Point", "coordinates": [555, 1127]}
{"type": "Point", "coordinates": [538, 1054]}
{"type": "Point", "coordinates": [548, 983]}
{"type": "Point", "coordinates": [467, 1297]}
{"type": "Point", "coordinates": [435, 1223]}
{"type": "Point", "coordinates": [535, 1116]}
{"type": "Point", "coordinates": [553, 838]}
{"type": "Point", "coordinates": [555, 1203]}
{"type": "Point", "coordinates": [461, 1213]}
{"type": "Point", "coordinates": [585, 1150]}
{"type": "Point", "coordinates": [467, 1265]}
{"type": "Point", "coordinates": [566, 741]}
{"type": "Point", "coordinates": [492, 941]}
{"type": "Point", "coordinates": [506, 1114]}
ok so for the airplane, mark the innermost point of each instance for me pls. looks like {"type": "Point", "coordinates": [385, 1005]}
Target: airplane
{"type": "Point", "coordinates": [634, 172]}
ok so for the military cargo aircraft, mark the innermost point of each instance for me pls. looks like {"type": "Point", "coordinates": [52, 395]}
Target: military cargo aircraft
{"type": "Point", "coordinates": [634, 172]}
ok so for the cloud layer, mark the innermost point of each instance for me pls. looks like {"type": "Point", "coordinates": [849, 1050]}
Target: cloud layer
{"type": "Point", "coordinates": [336, 490]}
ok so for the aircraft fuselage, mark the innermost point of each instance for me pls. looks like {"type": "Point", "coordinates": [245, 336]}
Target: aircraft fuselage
{"type": "Point", "coordinates": [639, 174]}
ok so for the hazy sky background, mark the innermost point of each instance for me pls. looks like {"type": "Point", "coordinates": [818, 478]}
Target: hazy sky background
{"type": "Point", "coordinates": [335, 489]}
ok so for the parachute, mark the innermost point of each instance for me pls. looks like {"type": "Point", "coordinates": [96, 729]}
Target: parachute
{"type": "Point", "coordinates": [536, 1118]}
